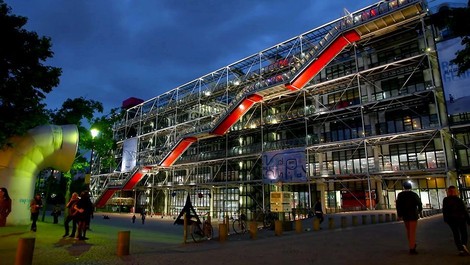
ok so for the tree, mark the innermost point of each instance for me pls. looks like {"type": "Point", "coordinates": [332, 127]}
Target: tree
{"type": "Point", "coordinates": [457, 21]}
{"type": "Point", "coordinates": [75, 111]}
{"type": "Point", "coordinates": [24, 79]}
{"type": "Point", "coordinates": [104, 145]}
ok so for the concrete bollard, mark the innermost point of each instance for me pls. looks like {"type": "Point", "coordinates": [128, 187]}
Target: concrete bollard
{"type": "Point", "coordinates": [354, 220]}
{"type": "Point", "coordinates": [373, 219]}
{"type": "Point", "coordinates": [364, 219]}
{"type": "Point", "coordinates": [278, 228]}
{"type": "Point", "coordinates": [387, 217]}
{"type": "Point", "coordinates": [298, 226]}
{"type": "Point", "coordinates": [24, 251]}
{"type": "Point", "coordinates": [331, 223]}
{"type": "Point", "coordinates": [223, 232]}
{"type": "Point", "coordinates": [316, 224]}
{"type": "Point", "coordinates": [344, 222]}
{"type": "Point", "coordinates": [123, 244]}
{"type": "Point", "coordinates": [394, 217]}
{"type": "Point", "coordinates": [253, 230]}
{"type": "Point", "coordinates": [381, 218]}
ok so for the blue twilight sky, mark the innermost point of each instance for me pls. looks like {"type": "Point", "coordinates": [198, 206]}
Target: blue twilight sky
{"type": "Point", "coordinates": [110, 50]}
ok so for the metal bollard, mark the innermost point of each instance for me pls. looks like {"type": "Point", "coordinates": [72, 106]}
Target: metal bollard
{"type": "Point", "coordinates": [123, 243]}
{"type": "Point", "coordinates": [381, 218]}
{"type": "Point", "coordinates": [25, 250]}
{"type": "Point", "coordinates": [364, 219]}
{"type": "Point", "coordinates": [223, 232]}
{"type": "Point", "coordinates": [354, 220]}
{"type": "Point", "coordinates": [316, 224]}
{"type": "Point", "coordinates": [373, 219]}
{"type": "Point", "coordinates": [298, 226]}
{"type": "Point", "coordinates": [344, 222]}
{"type": "Point", "coordinates": [277, 228]}
{"type": "Point", "coordinates": [253, 230]}
{"type": "Point", "coordinates": [331, 223]}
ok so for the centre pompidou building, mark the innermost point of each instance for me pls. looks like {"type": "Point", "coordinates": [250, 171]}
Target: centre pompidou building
{"type": "Point", "coordinates": [345, 112]}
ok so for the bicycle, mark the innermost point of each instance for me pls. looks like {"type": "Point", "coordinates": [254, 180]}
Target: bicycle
{"type": "Point", "coordinates": [239, 225]}
{"type": "Point", "coordinates": [200, 233]}
{"type": "Point", "coordinates": [267, 218]}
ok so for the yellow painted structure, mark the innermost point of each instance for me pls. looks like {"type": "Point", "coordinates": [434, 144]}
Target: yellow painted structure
{"type": "Point", "coordinates": [47, 146]}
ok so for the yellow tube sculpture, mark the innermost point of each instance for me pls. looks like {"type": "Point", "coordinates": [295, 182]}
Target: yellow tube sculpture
{"type": "Point", "coordinates": [48, 146]}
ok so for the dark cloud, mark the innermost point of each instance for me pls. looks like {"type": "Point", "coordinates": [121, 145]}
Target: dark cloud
{"type": "Point", "coordinates": [110, 50]}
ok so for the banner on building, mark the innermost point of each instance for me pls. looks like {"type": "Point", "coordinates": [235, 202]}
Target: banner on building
{"type": "Point", "coordinates": [455, 87]}
{"type": "Point", "coordinates": [284, 166]}
{"type": "Point", "coordinates": [129, 154]}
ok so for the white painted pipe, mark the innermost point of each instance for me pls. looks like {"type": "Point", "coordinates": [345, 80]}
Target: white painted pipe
{"type": "Point", "coordinates": [48, 146]}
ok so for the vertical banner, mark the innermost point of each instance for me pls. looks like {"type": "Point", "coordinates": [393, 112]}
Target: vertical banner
{"type": "Point", "coordinates": [129, 154]}
{"type": "Point", "coordinates": [284, 166]}
{"type": "Point", "coordinates": [456, 88]}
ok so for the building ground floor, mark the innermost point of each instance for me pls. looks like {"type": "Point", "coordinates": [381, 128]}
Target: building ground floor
{"type": "Point", "coordinates": [255, 199]}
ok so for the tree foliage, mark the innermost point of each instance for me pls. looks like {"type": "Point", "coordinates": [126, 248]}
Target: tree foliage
{"type": "Point", "coordinates": [457, 20]}
{"type": "Point", "coordinates": [24, 79]}
{"type": "Point", "coordinates": [104, 144]}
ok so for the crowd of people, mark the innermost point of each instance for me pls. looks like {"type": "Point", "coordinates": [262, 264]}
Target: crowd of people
{"type": "Point", "coordinates": [79, 212]}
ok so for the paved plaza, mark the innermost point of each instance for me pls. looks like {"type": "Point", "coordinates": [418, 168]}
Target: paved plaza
{"type": "Point", "coordinates": [158, 241]}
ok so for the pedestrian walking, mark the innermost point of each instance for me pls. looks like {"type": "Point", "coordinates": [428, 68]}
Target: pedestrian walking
{"type": "Point", "coordinates": [70, 216]}
{"type": "Point", "coordinates": [456, 216]}
{"type": "Point", "coordinates": [133, 218]}
{"type": "Point", "coordinates": [142, 215]}
{"type": "Point", "coordinates": [56, 212]}
{"type": "Point", "coordinates": [5, 206]}
{"type": "Point", "coordinates": [318, 211]}
{"type": "Point", "coordinates": [409, 208]}
{"type": "Point", "coordinates": [35, 205]}
{"type": "Point", "coordinates": [84, 208]}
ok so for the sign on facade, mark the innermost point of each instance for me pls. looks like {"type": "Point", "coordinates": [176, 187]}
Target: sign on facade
{"type": "Point", "coordinates": [284, 166]}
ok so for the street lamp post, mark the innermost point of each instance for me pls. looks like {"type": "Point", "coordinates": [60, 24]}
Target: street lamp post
{"type": "Point", "coordinates": [94, 133]}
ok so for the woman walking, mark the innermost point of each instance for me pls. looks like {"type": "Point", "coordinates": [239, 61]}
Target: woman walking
{"type": "Point", "coordinates": [409, 208]}
{"type": "Point", "coordinates": [34, 206]}
{"type": "Point", "coordinates": [456, 216]}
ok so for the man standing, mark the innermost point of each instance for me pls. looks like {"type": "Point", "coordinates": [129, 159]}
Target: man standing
{"type": "Point", "coordinates": [318, 210]}
{"type": "Point", "coordinates": [34, 206]}
{"type": "Point", "coordinates": [409, 207]}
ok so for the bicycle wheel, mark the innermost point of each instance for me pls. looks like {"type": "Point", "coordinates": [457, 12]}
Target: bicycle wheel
{"type": "Point", "coordinates": [239, 226]}
{"type": "Point", "coordinates": [196, 232]}
{"type": "Point", "coordinates": [268, 221]}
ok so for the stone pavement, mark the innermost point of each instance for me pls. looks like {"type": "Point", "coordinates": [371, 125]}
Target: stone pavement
{"type": "Point", "coordinates": [160, 242]}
